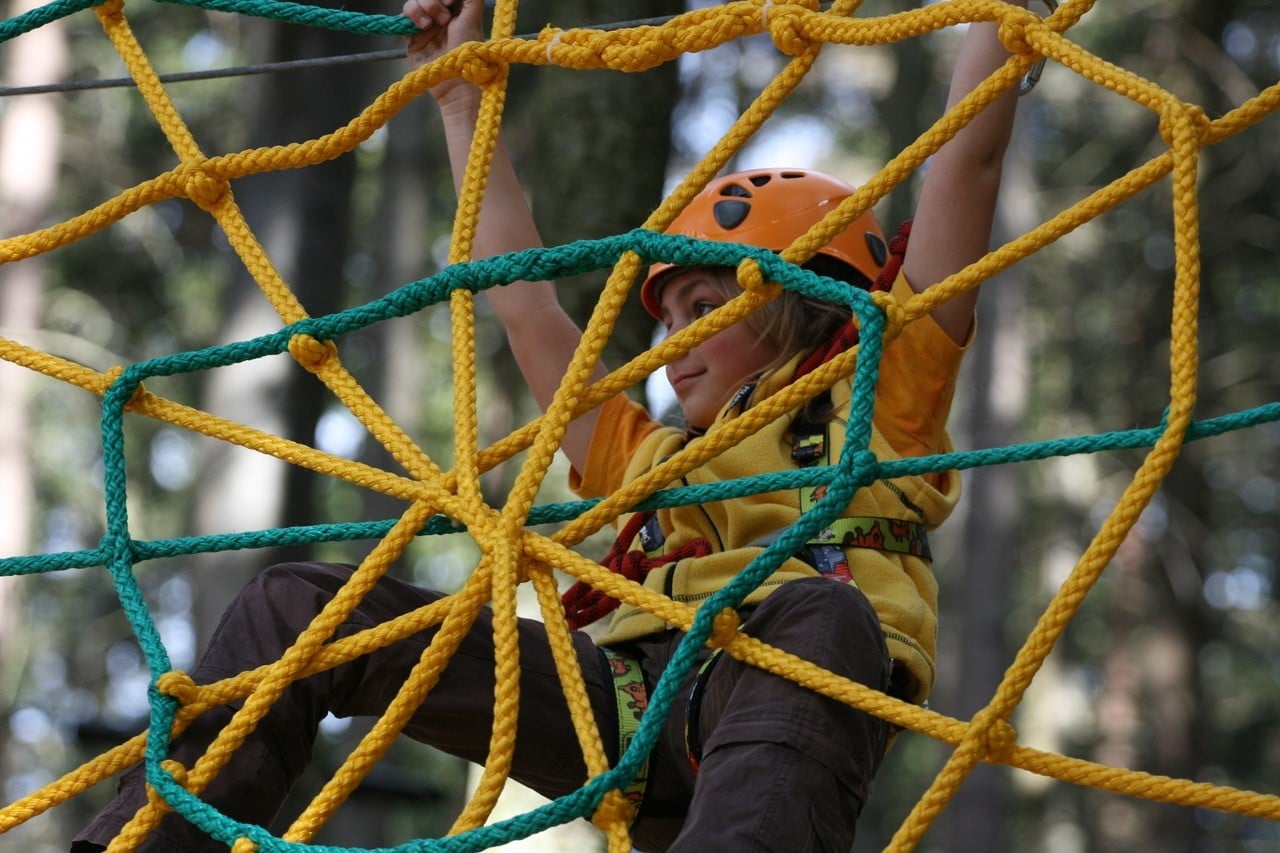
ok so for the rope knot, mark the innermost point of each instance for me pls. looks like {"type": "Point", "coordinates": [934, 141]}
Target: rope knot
{"type": "Point", "coordinates": [475, 67]}
{"type": "Point", "coordinates": [614, 809]}
{"type": "Point", "coordinates": [112, 375]}
{"type": "Point", "coordinates": [180, 686]}
{"type": "Point", "coordinates": [310, 352]}
{"type": "Point", "coordinates": [206, 190]}
{"type": "Point", "coordinates": [752, 279]}
{"type": "Point", "coordinates": [110, 543]}
{"type": "Point", "coordinates": [1001, 739]}
{"type": "Point", "coordinates": [1169, 117]}
{"type": "Point", "coordinates": [785, 25]}
{"type": "Point", "coordinates": [894, 317]}
{"type": "Point", "coordinates": [1012, 29]}
{"type": "Point", "coordinates": [724, 628]}
{"type": "Point", "coordinates": [865, 467]}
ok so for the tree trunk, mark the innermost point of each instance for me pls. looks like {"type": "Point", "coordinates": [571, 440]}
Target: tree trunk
{"type": "Point", "coordinates": [595, 146]}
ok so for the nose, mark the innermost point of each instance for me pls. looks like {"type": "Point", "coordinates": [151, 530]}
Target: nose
{"type": "Point", "coordinates": [678, 366]}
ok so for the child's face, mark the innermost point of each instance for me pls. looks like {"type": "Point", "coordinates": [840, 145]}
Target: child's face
{"type": "Point", "coordinates": [706, 377]}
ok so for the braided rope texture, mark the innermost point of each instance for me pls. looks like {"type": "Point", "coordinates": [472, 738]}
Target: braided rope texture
{"type": "Point", "coordinates": [441, 501]}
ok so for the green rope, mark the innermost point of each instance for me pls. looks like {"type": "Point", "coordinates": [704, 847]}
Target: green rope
{"type": "Point", "coordinates": [856, 467]}
{"type": "Point", "coordinates": [38, 17]}
{"type": "Point", "coordinates": [310, 16]}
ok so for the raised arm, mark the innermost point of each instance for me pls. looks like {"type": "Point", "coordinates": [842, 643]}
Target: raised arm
{"type": "Point", "coordinates": [540, 333]}
{"type": "Point", "coordinates": [957, 202]}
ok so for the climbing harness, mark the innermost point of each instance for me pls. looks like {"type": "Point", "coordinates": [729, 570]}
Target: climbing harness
{"type": "Point", "coordinates": [825, 552]}
{"type": "Point", "coordinates": [811, 445]}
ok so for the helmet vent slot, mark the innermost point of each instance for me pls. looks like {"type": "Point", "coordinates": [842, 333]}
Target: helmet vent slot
{"type": "Point", "coordinates": [876, 246]}
{"type": "Point", "coordinates": [730, 214]}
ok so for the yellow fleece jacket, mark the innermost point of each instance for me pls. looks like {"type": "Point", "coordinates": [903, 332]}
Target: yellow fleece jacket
{"type": "Point", "coordinates": [913, 399]}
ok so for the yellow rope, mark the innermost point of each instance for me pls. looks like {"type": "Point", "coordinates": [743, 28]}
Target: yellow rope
{"type": "Point", "coordinates": [512, 554]}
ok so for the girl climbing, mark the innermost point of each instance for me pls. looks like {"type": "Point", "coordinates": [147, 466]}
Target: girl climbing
{"type": "Point", "coordinates": [746, 760]}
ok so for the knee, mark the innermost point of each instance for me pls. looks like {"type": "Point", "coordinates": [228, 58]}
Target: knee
{"type": "Point", "coordinates": [284, 579]}
{"type": "Point", "coordinates": [290, 594]}
{"type": "Point", "coordinates": [829, 623]}
{"type": "Point", "coordinates": [841, 606]}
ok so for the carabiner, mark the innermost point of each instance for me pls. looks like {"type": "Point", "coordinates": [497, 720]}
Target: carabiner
{"type": "Point", "coordinates": [1032, 77]}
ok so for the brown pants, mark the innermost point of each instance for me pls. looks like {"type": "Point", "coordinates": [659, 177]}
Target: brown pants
{"type": "Point", "coordinates": [782, 768]}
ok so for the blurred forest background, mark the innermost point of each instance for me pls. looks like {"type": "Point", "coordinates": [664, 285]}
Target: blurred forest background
{"type": "Point", "coordinates": [1173, 665]}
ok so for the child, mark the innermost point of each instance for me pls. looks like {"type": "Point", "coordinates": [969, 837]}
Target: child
{"type": "Point", "coordinates": [746, 760]}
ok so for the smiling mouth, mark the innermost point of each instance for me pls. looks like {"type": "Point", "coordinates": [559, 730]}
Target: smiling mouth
{"type": "Point", "coordinates": [683, 380]}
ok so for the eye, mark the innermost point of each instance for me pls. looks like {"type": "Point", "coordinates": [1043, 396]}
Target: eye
{"type": "Point", "coordinates": [702, 308]}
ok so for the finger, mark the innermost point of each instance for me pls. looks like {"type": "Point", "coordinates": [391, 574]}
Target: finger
{"type": "Point", "coordinates": [427, 13]}
{"type": "Point", "coordinates": [413, 10]}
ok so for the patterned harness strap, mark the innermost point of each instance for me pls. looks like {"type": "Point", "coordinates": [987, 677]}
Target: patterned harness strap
{"type": "Point", "coordinates": [811, 445]}
{"type": "Point", "coordinates": [631, 700]}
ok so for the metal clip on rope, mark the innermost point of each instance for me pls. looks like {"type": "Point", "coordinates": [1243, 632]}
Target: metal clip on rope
{"type": "Point", "coordinates": [1033, 76]}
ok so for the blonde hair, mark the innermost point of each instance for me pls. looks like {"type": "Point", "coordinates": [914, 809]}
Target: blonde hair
{"type": "Point", "coordinates": [796, 324]}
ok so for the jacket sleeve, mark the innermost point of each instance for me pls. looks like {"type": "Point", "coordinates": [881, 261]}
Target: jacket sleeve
{"type": "Point", "coordinates": [621, 428]}
{"type": "Point", "coordinates": [917, 382]}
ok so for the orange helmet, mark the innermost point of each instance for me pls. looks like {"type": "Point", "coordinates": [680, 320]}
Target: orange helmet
{"type": "Point", "coordinates": [770, 208]}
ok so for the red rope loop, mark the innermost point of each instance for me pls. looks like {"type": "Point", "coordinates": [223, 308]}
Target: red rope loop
{"type": "Point", "coordinates": [584, 604]}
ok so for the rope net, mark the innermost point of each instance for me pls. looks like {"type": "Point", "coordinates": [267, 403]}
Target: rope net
{"type": "Point", "coordinates": [441, 501]}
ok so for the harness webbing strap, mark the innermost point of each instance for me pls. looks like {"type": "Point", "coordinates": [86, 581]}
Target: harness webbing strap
{"type": "Point", "coordinates": [811, 445]}
{"type": "Point", "coordinates": [631, 699]}
{"type": "Point", "coordinates": [693, 711]}
{"type": "Point", "coordinates": [882, 534]}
